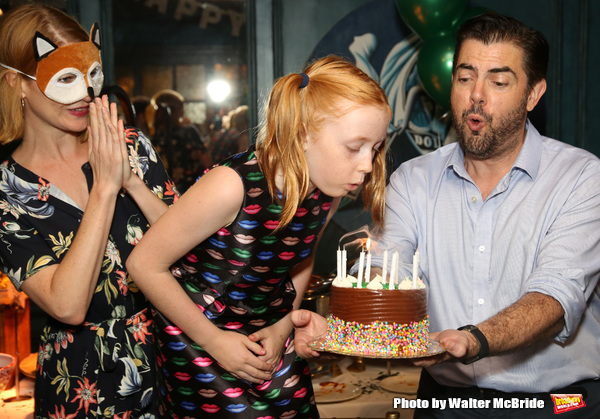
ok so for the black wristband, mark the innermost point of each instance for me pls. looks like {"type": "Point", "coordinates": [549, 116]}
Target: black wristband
{"type": "Point", "coordinates": [484, 347]}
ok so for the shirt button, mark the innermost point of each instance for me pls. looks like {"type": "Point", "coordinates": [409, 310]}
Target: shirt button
{"type": "Point", "coordinates": [480, 301]}
{"type": "Point", "coordinates": [481, 248]}
{"type": "Point", "coordinates": [474, 199]}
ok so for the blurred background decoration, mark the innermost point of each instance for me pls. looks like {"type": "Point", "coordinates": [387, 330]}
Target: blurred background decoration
{"type": "Point", "coordinates": [15, 331]}
{"type": "Point", "coordinates": [190, 58]}
{"type": "Point", "coordinates": [7, 369]}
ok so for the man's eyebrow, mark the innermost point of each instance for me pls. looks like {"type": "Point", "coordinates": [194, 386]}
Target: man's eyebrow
{"type": "Point", "coordinates": [495, 70]}
{"type": "Point", "coordinates": [504, 69]}
{"type": "Point", "coordinates": [465, 67]}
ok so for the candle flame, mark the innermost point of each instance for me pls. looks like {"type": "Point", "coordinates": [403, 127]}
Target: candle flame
{"type": "Point", "coordinates": [368, 244]}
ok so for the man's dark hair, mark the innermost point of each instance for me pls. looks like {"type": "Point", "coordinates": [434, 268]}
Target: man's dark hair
{"type": "Point", "coordinates": [493, 27]}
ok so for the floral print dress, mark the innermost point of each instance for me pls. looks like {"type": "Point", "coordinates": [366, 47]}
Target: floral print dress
{"type": "Point", "coordinates": [239, 277]}
{"type": "Point", "coordinates": [105, 366]}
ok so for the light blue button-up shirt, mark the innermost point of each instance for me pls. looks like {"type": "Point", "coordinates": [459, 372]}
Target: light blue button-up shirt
{"type": "Point", "coordinates": [538, 231]}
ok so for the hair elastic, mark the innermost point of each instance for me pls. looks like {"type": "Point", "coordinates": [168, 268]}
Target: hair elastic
{"type": "Point", "coordinates": [305, 81]}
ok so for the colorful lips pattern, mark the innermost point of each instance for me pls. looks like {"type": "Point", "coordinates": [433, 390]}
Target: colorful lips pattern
{"type": "Point", "coordinates": [240, 279]}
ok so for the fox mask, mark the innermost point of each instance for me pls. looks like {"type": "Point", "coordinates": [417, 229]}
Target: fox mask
{"type": "Point", "coordinates": [70, 73]}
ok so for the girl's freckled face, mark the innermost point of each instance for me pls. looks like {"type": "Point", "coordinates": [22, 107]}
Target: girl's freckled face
{"type": "Point", "coordinates": [340, 154]}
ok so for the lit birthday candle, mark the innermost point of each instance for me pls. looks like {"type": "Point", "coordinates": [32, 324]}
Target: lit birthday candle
{"type": "Point", "coordinates": [361, 266]}
{"type": "Point", "coordinates": [368, 264]}
{"type": "Point", "coordinates": [394, 271]}
{"type": "Point", "coordinates": [339, 263]}
{"type": "Point", "coordinates": [344, 262]}
{"type": "Point", "coordinates": [384, 268]}
{"type": "Point", "coordinates": [415, 273]}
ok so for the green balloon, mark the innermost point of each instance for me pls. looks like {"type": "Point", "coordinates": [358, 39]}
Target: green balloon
{"type": "Point", "coordinates": [434, 68]}
{"type": "Point", "coordinates": [431, 18]}
{"type": "Point", "coordinates": [469, 13]}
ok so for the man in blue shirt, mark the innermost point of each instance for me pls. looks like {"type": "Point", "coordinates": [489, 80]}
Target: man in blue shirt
{"type": "Point", "coordinates": [507, 223]}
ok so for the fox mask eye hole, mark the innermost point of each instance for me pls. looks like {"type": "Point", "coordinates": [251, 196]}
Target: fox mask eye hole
{"type": "Point", "coordinates": [67, 78]}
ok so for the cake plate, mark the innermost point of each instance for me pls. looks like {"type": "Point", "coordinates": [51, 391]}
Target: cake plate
{"type": "Point", "coordinates": [433, 348]}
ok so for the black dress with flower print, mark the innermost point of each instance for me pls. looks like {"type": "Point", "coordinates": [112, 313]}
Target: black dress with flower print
{"type": "Point", "coordinates": [240, 278]}
{"type": "Point", "coordinates": [105, 366]}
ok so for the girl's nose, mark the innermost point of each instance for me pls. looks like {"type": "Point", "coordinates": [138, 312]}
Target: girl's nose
{"type": "Point", "coordinates": [366, 163]}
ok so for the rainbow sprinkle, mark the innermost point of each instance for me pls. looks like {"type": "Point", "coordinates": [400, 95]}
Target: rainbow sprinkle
{"type": "Point", "coordinates": [377, 339]}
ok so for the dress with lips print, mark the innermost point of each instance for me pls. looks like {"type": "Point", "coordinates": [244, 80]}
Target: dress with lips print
{"type": "Point", "coordinates": [240, 278]}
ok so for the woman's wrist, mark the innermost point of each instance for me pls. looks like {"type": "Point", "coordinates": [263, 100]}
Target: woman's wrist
{"type": "Point", "coordinates": [133, 184]}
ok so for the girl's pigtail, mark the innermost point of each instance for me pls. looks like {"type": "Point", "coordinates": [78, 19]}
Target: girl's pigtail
{"type": "Point", "coordinates": [281, 146]}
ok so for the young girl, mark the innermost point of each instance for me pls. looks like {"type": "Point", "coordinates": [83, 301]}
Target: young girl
{"type": "Point", "coordinates": [223, 310]}
{"type": "Point", "coordinates": [75, 195]}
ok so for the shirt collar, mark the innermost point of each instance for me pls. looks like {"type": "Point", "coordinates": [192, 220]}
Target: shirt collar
{"type": "Point", "coordinates": [528, 159]}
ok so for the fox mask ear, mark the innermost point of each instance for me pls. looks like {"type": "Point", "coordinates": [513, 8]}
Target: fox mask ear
{"type": "Point", "coordinates": [64, 74]}
{"type": "Point", "coordinates": [42, 46]}
{"type": "Point", "coordinates": [95, 35]}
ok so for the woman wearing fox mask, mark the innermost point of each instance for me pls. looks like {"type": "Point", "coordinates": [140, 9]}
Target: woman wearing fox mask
{"type": "Point", "coordinates": [77, 191]}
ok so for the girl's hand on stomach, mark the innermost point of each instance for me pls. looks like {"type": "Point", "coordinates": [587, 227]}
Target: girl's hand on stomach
{"type": "Point", "coordinates": [240, 356]}
{"type": "Point", "coordinates": [273, 338]}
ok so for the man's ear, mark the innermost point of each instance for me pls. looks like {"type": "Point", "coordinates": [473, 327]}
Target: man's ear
{"type": "Point", "coordinates": [536, 94]}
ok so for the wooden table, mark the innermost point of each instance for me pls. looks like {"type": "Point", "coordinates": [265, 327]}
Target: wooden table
{"type": "Point", "coordinates": [367, 394]}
